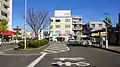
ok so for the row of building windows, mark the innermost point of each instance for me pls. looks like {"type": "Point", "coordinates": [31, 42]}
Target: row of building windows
{"type": "Point", "coordinates": [58, 20]}
{"type": "Point", "coordinates": [93, 25]}
{"type": "Point", "coordinates": [3, 5]}
{"type": "Point", "coordinates": [59, 26]}
{"type": "Point", "coordinates": [3, 13]}
{"type": "Point", "coordinates": [59, 32]}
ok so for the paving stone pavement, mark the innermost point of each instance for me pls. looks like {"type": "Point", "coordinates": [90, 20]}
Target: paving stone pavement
{"type": "Point", "coordinates": [7, 47]}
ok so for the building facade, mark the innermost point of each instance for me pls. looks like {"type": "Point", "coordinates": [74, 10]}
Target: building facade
{"type": "Point", "coordinates": [98, 30]}
{"type": "Point", "coordinates": [77, 27]}
{"type": "Point", "coordinates": [64, 26]}
{"type": "Point", "coordinates": [6, 11]}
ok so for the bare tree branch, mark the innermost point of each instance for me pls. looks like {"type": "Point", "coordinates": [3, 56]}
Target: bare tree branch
{"type": "Point", "coordinates": [37, 21]}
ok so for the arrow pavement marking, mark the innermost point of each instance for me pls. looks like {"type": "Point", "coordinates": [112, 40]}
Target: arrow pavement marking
{"type": "Point", "coordinates": [37, 60]}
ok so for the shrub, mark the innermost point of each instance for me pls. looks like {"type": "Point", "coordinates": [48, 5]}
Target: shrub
{"type": "Point", "coordinates": [21, 44]}
{"type": "Point", "coordinates": [33, 43]}
{"type": "Point", "coordinates": [46, 41]}
{"type": "Point", "coordinates": [41, 42]}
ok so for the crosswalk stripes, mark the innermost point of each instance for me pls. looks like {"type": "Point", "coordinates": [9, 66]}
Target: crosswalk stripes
{"type": "Point", "coordinates": [56, 48]}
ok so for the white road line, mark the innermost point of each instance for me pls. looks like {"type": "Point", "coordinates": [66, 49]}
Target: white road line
{"type": "Point", "coordinates": [37, 60]}
{"type": "Point", "coordinates": [68, 48]}
{"type": "Point", "coordinates": [19, 54]}
{"type": "Point", "coordinates": [1, 52]}
{"type": "Point", "coordinates": [51, 51]}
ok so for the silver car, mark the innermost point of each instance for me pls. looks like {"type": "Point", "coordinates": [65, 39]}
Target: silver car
{"type": "Point", "coordinates": [72, 41]}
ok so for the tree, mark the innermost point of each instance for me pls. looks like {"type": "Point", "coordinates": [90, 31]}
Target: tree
{"type": "Point", "coordinates": [37, 21]}
{"type": "Point", "coordinates": [17, 29]}
{"type": "Point", "coordinates": [108, 22]}
{"type": "Point", "coordinates": [3, 27]}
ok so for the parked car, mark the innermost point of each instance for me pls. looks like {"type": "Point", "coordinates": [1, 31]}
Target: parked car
{"type": "Point", "coordinates": [72, 41]}
{"type": "Point", "coordinates": [86, 41]}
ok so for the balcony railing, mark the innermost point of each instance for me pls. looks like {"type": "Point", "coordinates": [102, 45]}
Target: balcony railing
{"type": "Point", "coordinates": [76, 22]}
{"type": "Point", "coordinates": [75, 34]}
{"type": "Point", "coordinates": [77, 28]}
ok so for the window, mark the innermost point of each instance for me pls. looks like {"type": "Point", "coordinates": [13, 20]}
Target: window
{"type": "Point", "coordinates": [3, 14]}
{"type": "Point", "coordinates": [67, 26]}
{"type": "Point", "coordinates": [51, 20]}
{"type": "Point", "coordinates": [80, 19]}
{"type": "Point", "coordinates": [58, 32]}
{"type": "Point", "coordinates": [51, 31]}
{"type": "Point", "coordinates": [57, 20]}
{"type": "Point", "coordinates": [92, 25]}
{"type": "Point", "coordinates": [5, 6]}
{"type": "Point", "coordinates": [57, 26]}
{"type": "Point", "coordinates": [67, 32]}
{"type": "Point", "coordinates": [0, 4]}
{"type": "Point", "coordinates": [100, 25]}
{"type": "Point", "coordinates": [51, 26]}
{"type": "Point", "coordinates": [6, 0]}
{"type": "Point", "coordinates": [67, 20]}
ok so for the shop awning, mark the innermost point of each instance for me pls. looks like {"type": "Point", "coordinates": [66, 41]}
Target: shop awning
{"type": "Point", "coordinates": [9, 33]}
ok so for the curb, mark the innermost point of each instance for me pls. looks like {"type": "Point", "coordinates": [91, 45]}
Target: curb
{"type": "Point", "coordinates": [106, 49]}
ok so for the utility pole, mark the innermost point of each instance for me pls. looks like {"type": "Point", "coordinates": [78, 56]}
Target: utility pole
{"type": "Point", "coordinates": [25, 24]}
{"type": "Point", "coordinates": [119, 28]}
{"type": "Point", "coordinates": [106, 14]}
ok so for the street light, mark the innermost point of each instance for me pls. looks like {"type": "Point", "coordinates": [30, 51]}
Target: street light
{"type": "Point", "coordinates": [25, 24]}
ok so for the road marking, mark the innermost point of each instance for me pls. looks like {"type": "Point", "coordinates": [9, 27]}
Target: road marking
{"type": "Point", "coordinates": [63, 59]}
{"type": "Point", "coordinates": [37, 60]}
{"type": "Point", "coordinates": [51, 51]}
{"type": "Point", "coordinates": [56, 48]}
{"type": "Point", "coordinates": [79, 61]}
{"type": "Point", "coordinates": [68, 48]}
{"type": "Point", "coordinates": [19, 54]}
{"type": "Point", "coordinates": [1, 52]}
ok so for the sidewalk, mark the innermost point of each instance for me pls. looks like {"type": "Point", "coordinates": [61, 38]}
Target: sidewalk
{"type": "Point", "coordinates": [116, 48]}
{"type": "Point", "coordinates": [30, 51]}
{"type": "Point", "coordinates": [110, 48]}
{"type": "Point", "coordinates": [8, 46]}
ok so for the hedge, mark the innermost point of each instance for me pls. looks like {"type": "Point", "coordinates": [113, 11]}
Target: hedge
{"type": "Point", "coordinates": [33, 43]}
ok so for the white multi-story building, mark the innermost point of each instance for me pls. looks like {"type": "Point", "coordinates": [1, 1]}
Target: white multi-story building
{"type": "Point", "coordinates": [64, 25]}
{"type": "Point", "coordinates": [6, 11]}
{"type": "Point", "coordinates": [77, 26]}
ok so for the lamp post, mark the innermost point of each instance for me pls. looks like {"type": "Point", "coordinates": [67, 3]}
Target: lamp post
{"type": "Point", "coordinates": [25, 24]}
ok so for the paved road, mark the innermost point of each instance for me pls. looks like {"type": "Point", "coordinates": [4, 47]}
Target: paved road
{"type": "Point", "coordinates": [93, 56]}
{"type": "Point", "coordinates": [56, 48]}
{"type": "Point", "coordinates": [23, 60]}
{"type": "Point", "coordinates": [96, 57]}
{"type": "Point", "coordinates": [16, 61]}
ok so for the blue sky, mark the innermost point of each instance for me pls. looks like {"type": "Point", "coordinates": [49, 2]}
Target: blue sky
{"type": "Point", "coordinates": [92, 10]}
